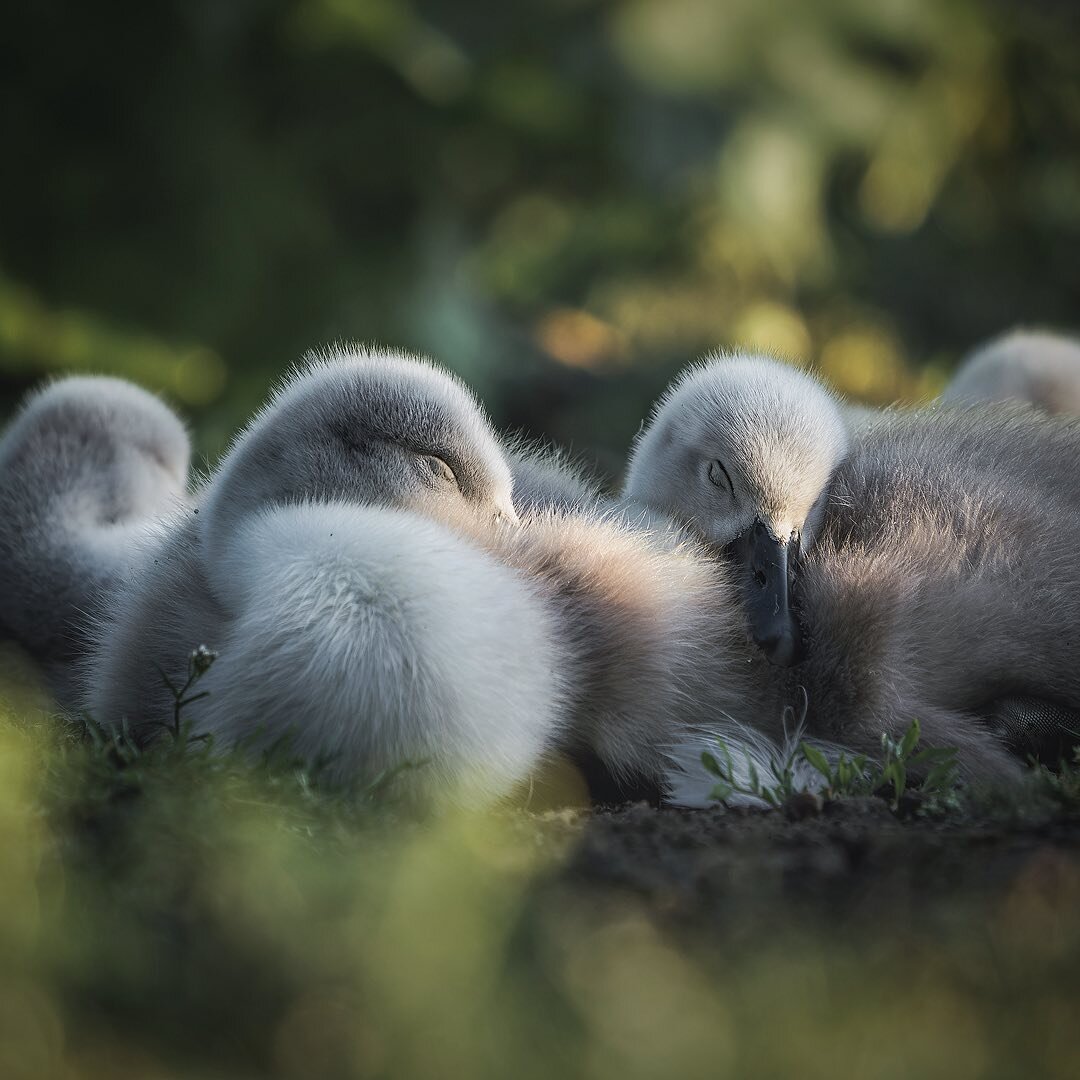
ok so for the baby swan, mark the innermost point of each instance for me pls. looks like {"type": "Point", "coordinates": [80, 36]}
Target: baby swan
{"type": "Point", "coordinates": [1037, 367]}
{"type": "Point", "coordinates": [743, 447]}
{"type": "Point", "coordinates": [88, 468]}
{"type": "Point", "coordinates": [347, 617]}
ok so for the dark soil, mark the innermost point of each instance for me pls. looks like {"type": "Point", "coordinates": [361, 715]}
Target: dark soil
{"type": "Point", "coordinates": [856, 860]}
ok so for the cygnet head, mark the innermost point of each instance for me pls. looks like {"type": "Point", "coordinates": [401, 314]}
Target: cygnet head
{"type": "Point", "coordinates": [365, 426]}
{"type": "Point", "coordinates": [743, 448]}
{"type": "Point", "coordinates": [122, 450]}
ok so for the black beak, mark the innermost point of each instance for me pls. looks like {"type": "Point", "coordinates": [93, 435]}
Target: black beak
{"type": "Point", "coordinates": [770, 564]}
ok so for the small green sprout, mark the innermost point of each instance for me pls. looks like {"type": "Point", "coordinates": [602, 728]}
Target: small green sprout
{"type": "Point", "coordinates": [781, 769]}
{"type": "Point", "coordinates": [847, 776]}
{"type": "Point", "coordinates": [1061, 784]}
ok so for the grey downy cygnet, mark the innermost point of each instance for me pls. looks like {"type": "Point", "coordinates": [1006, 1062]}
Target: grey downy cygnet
{"type": "Point", "coordinates": [744, 448]}
{"type": "Point", "coordinates": [88, 468]}
{"type": "Point", "coordinates": [658, 664]}
{"type": "Point", "coordinates": [933, 540]}
{"type": "Point", "coordinates": [1032, 366]}
{"type": "Point", "coordinates": [348, 618]}
{"type": "Point", "coordinates": [934, 588]}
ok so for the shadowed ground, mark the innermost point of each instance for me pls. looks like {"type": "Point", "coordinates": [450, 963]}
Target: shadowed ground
{"type": "Point", "coordinates": [173, 913]}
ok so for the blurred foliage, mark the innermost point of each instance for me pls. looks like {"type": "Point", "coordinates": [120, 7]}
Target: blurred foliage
{"type": "Point", "coordinates": [196, 917]}
{"type": "Point", "coordinates": [564, 200]}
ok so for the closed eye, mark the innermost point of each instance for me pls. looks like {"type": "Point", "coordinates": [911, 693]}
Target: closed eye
{"type": "Point", "coordinates": [719, 477]}
{"type": "Point", "coordinates": [442, 472]}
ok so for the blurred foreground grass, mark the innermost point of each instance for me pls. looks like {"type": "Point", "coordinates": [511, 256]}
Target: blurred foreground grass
{"type": "Point", "coordinates": [186, 916]}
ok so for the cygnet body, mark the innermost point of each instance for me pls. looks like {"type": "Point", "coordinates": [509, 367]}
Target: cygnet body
{"type": "Point", "coordinates": [88, 468]}
{"type": "Point", "coordinates": [744, 449]}
{"type": "Point", "coordinates": [939, 587]}
{"type": "Point", "coordinates": [936, 586]}
{"type": "Point", "coordinates": [348, 619]}
{"type": "Point", "coordinates": [1032, 366]}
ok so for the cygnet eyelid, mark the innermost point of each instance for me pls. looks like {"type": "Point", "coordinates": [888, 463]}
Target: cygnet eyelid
{"type": "Point", "coordinates": [727, 475]}
{"type": "Point", "coordinates": [462, 476]}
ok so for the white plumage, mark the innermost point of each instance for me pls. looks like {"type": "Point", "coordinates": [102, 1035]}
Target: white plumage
{"type": "Point", "coordinates": [347, 618]}
{"type": "Point", "coordinates": [366, 637]}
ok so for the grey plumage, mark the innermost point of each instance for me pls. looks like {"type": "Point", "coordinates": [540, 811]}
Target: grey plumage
{"type": "Point", "coordinates": [548, 478]}
{"type": "Point", "coordinates": [780, 435]}
{"type": "Point", "coordinates": [738, 439]}
{"type": "Point", "coordinates": [1032, 366]}
{"type": "Point", "coordinates": [937, 584]}
{"type": "Point", "coordinates": [86, 469]}
{"type": "Point", "coordinates": [940, 587]}
{"type": "Point", "coordinates": [378, 612]}
{"type": "Point", "coordinates": [744, 449]}
{"type": "Point", "coordinates": [366, 427]}
{"type": "Point", "coordinates": [944, 605]}
{"type": "Point", "coordinates": [936, 589]}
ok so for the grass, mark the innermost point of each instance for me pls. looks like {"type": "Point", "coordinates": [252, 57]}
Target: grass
{"type": "Point", "coordinates": [938, 789]}
{"type": "Point", "coordinates": [177, 912]}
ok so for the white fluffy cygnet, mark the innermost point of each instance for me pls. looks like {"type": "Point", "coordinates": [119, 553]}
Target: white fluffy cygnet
{"type": "Point", "coordinates": [347, 619]}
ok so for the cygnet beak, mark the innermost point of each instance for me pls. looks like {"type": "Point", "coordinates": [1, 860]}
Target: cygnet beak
{"type": "Point", "coordinates": [769, 564]}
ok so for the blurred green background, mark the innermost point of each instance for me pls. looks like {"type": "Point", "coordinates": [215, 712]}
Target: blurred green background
{"type": "Point", "coordinates": [563, 200]}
